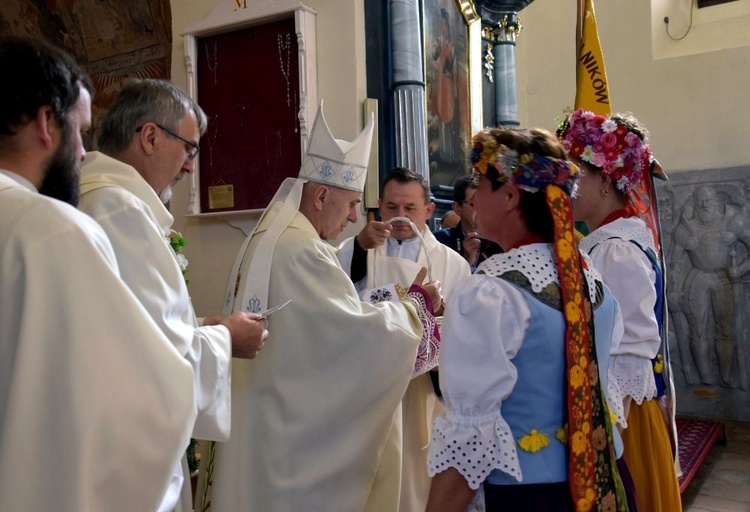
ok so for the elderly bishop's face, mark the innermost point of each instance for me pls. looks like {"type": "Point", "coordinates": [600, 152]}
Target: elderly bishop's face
{"type": "Point", "coordinates": [339, 208]}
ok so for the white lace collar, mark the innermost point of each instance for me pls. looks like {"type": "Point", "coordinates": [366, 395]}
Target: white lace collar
{"type": "Point", "coordinates": [628, 229]}
{"type": "Point", "coordinates": [537, 264]}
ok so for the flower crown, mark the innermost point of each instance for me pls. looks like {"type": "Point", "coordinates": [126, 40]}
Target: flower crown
{"type": "Point", "coordinates": [612, 147]}
{"type": "Point", "coordinates": [528, 171]}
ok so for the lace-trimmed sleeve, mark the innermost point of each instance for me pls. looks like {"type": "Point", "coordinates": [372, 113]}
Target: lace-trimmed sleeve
{"type": "Point", "coordinates": [429, 346]}
{"type": "Point", "coordinates": [635, 377]}
{"type": "Point", "coordinates": [474, 446]}
{"type": "Point", "coordinates": [476, 376]}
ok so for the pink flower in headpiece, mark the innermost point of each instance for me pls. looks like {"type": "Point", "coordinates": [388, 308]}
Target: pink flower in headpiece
{"type": "Point", "coordinates": [632, 139]}
{"type": "Point", "coordinates": [598, 159]}
{"type": "Point", "coordinates": [609, 168]}
{"type": "Point", "coordinates": [578, 131]}
{"type": "Point", "coordinates": [594, 125]}
{"type": "Point", "coordinates": [609, 139]}
{"type": "Point", "coordinates": [610, 146]}
{"type": "Point", "coordinates": [582, 114]}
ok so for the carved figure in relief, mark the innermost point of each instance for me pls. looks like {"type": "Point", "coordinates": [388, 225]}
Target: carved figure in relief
{"type": "Point", "coordinates": [710, 231]}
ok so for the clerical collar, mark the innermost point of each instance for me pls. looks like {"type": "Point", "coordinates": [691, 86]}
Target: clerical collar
{"type": "Point", "coordinates": [408, 249]}
{"type": "Point", "coordinates": [622, 213]}
{"type": "Point", "coordinates": [406, 241]}
{"type": "Point", "coordinates": [533, 239]}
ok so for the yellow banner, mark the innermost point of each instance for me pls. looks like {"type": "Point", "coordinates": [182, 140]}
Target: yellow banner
{"type": "Point", "coordinates": [592, 91]}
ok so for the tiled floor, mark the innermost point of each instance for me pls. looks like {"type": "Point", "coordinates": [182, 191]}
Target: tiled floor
{"type": "Point", "coordinates": [722, 484]}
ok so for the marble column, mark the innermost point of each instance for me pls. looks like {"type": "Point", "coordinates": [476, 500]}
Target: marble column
{"type": "Point", "coordinates": [408, 87]}
{"type": "Point", "coordinates": [500, 28]}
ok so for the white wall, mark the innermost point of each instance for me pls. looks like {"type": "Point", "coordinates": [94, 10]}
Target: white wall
{"type": "Point", "coordinates": [212, 243]}
{"type": "Point", "coordinates": [697, 107]}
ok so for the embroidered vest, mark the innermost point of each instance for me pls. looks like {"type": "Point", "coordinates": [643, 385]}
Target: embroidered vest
{"type": "Point", "coordinates": [538, 399]}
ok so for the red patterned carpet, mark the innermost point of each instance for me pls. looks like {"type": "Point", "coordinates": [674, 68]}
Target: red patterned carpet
{"type": "Point", "coordinates": [695, 437]}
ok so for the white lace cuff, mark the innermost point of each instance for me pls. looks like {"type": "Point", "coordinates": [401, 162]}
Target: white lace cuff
{"type": "Point", "coordinates": [429, 345]}
{"type": "Point", "coordinates": [635, 376]}
{"type": "Point", "coordinates": [616, 399]}
{"type": "Point", "coordinates": [474, 446]}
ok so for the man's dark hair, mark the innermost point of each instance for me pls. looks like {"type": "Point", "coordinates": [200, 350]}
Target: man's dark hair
{"type": "Point", "coordinates": [37, 75]}
{"type": "Point", "coordinates": [460, 186]}
{"type": "Point", "coordinates": [404, 175]}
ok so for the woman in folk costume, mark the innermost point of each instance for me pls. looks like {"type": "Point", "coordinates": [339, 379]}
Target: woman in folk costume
{"type": "Point", "coordinates": [526, 419]}
{"type": "Point", "coordinates": [616, 162]}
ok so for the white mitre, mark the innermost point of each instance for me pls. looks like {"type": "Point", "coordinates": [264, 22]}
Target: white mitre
{"type": "Point", "coordinates": [336, 162]}
{"type": "Point", "coordinates": [329, 161]}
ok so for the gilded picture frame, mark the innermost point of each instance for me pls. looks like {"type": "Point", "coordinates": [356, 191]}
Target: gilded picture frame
{"type": "Point", "coordinates": [453, 85]}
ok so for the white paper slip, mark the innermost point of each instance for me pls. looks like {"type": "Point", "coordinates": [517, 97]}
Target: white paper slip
{"type": "Point", "coordinates": [270, 311]}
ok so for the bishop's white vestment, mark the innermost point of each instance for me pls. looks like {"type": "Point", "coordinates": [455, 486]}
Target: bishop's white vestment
{"type": "Point", "coordinates": [403, 473]}
{"type": "Point", "coordinates": [96, 406]}
{"type": "Point", "coordinates": [312, 412]}
{"type": "Point", "coordinates": [138, 224]}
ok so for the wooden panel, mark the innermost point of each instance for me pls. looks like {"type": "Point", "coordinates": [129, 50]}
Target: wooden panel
{"type": "Point", "coordinates": [247, 83]}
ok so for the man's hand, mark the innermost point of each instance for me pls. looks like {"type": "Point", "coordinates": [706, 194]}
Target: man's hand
{"type": "Point", "coordinates": [433, 289]}
{"type": "Point", "coordinates": [374, 234]}
{"type": "Point", "coordinates": [248, 332]}
{"type": "Point", "coordinates": [471, 247]}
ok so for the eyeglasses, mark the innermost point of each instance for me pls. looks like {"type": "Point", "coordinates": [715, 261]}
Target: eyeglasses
{"type": "Point", "coordinates": [191, 148]}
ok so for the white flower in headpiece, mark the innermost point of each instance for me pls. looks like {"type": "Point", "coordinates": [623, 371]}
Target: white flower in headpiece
{"type": "Point", "coordinates": [619, 162]}
{"type": "Point", "coordinates": [588, 152]}
{"type": "Point", "coordinates": [508, 159]}
{"type": "Point", "coordinates": [609, 126]}
{"type": "Point", "coordinates": [623, 184]}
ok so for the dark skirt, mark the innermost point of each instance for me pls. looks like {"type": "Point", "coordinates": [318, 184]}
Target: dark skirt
{"type": "Point", "coordinates": [546, 497]}
{"type": "Point", "coordinates": [528, 498]}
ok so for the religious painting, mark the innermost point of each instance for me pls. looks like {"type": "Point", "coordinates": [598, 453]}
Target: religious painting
{"type": "Point", "coordinates": [110, 39]}
{"type": "Point", "coordinates": [247, 84]}
{"type": "Point", "coordinates": [448, 82]}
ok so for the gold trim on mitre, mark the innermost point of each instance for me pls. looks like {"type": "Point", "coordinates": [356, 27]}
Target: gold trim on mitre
{"type": "Point", "coordinates": [337, 162]}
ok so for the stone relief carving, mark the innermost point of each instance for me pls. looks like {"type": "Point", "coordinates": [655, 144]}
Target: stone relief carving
{"type": "Point", "coordinates": [708, 256]}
